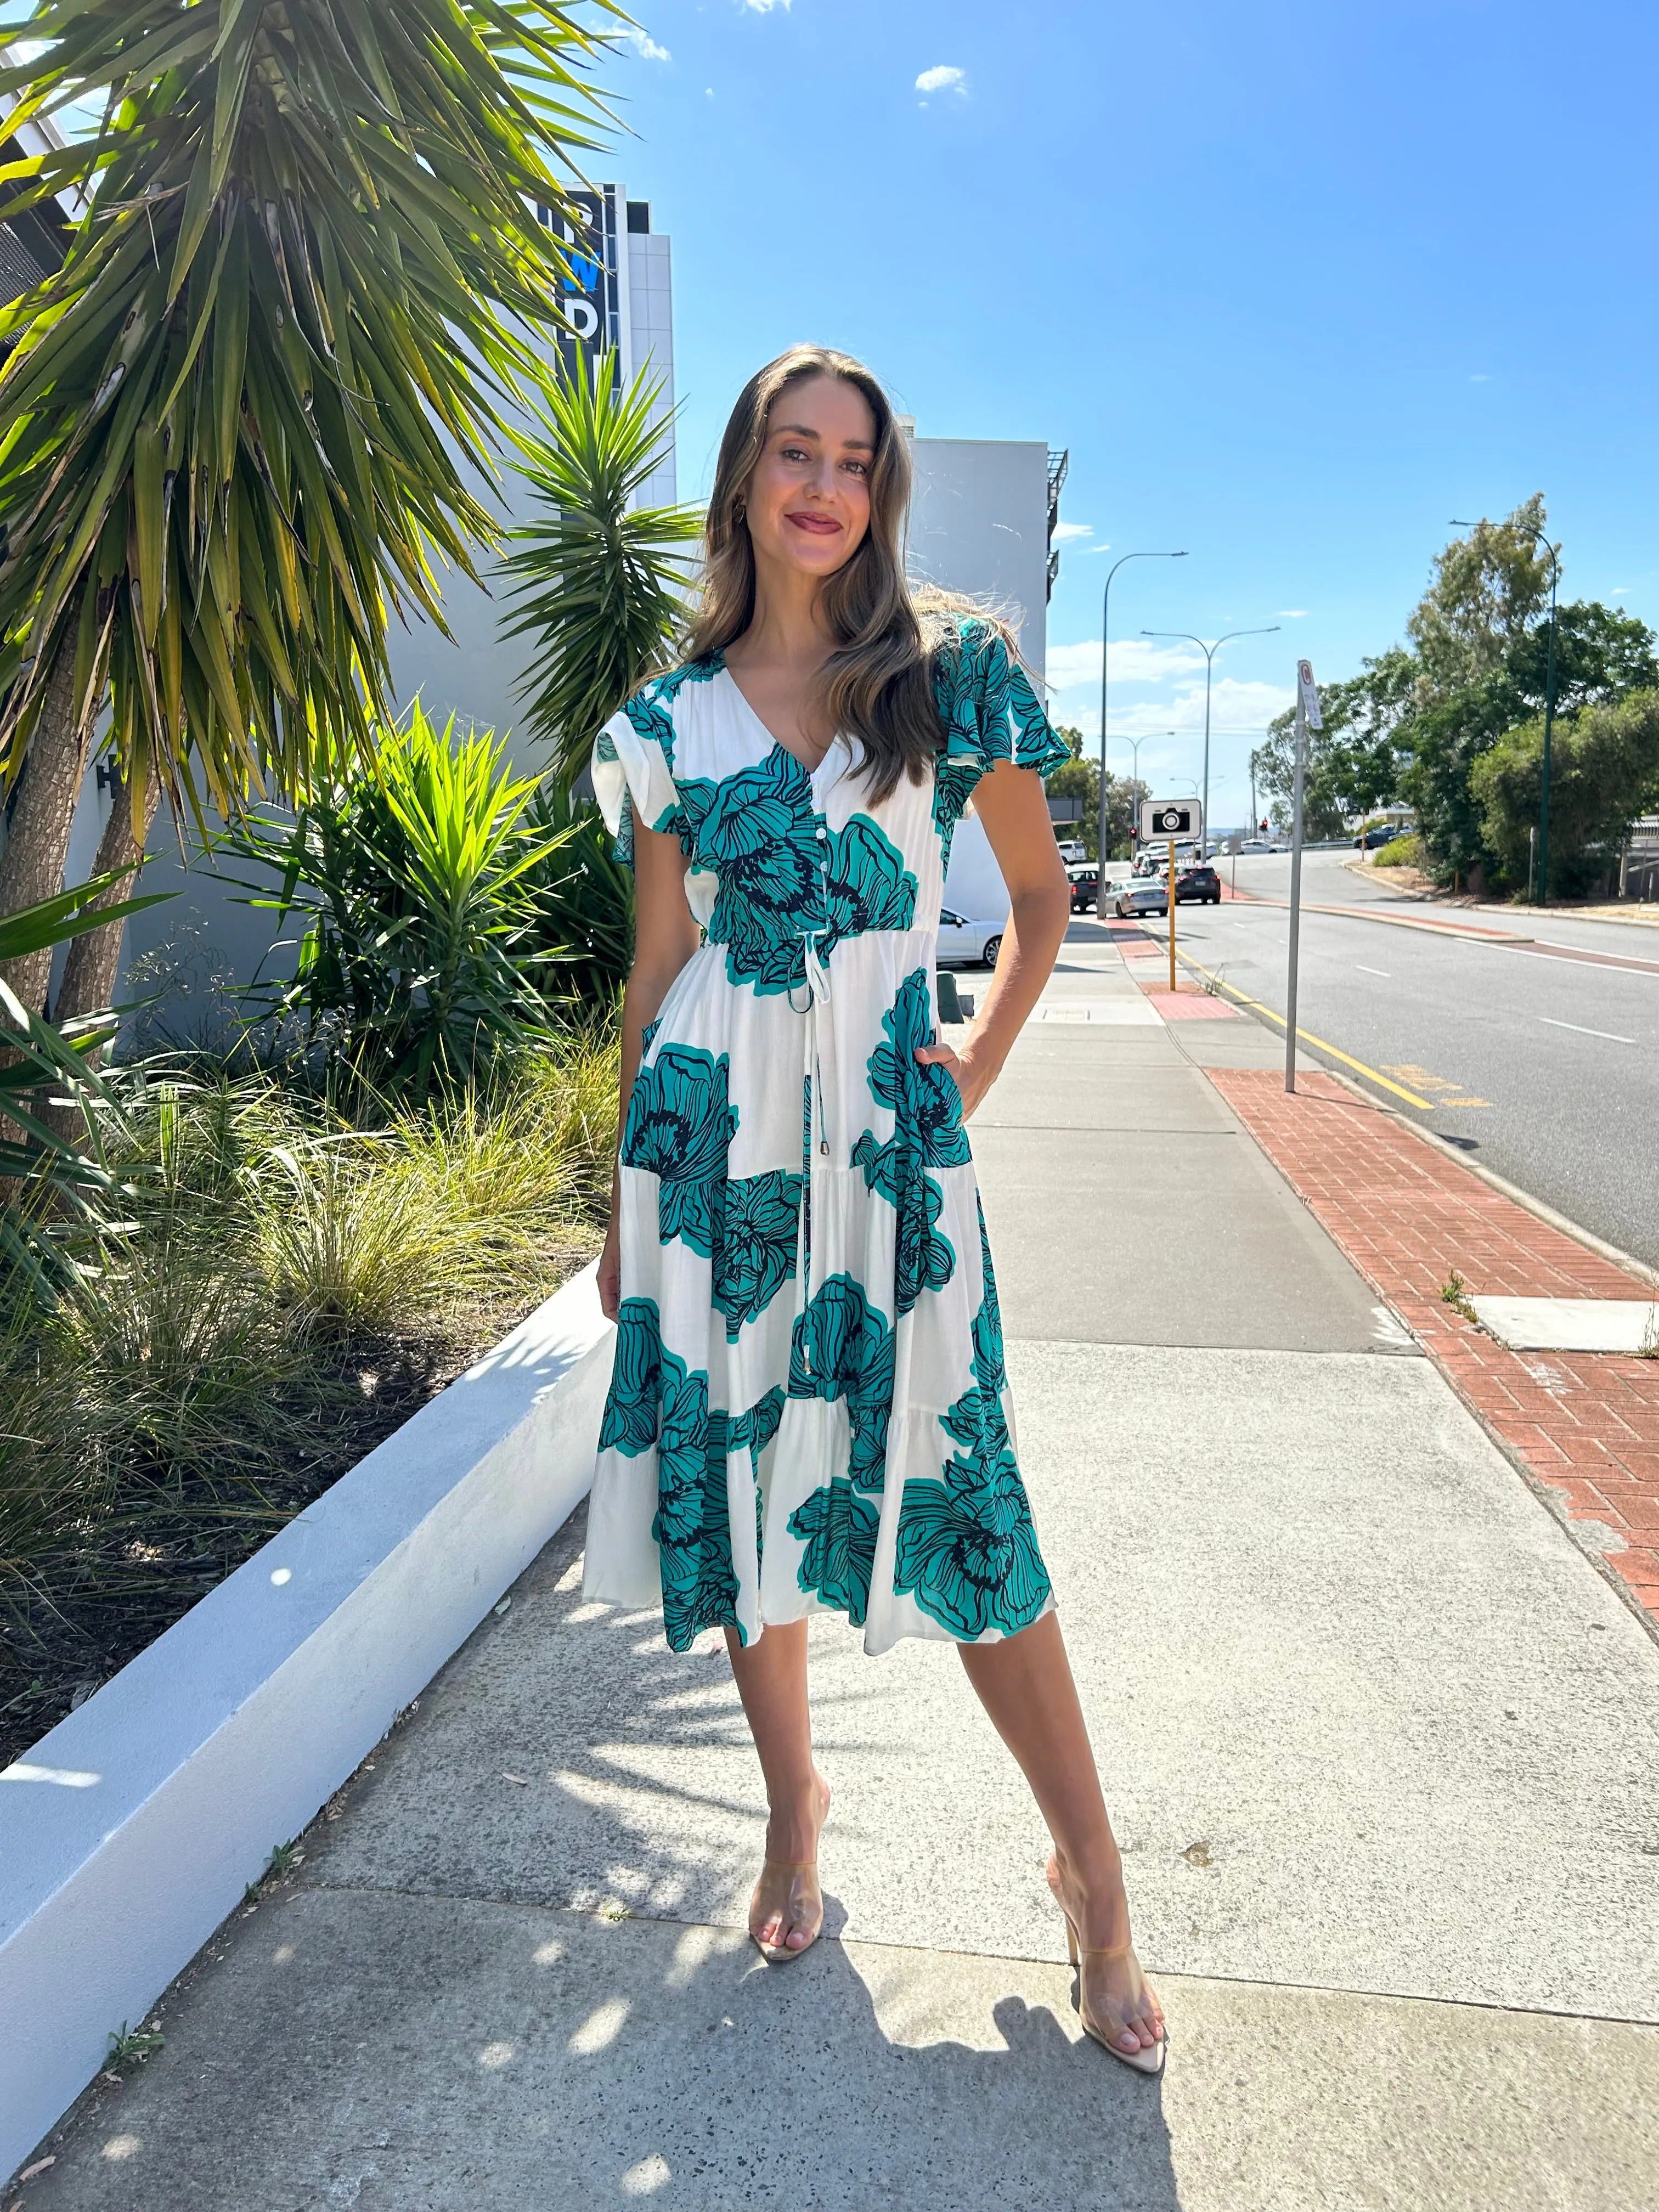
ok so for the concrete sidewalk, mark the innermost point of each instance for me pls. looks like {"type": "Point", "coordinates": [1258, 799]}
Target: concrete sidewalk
{"type": "Point", "coordinates": [1378, 1741]}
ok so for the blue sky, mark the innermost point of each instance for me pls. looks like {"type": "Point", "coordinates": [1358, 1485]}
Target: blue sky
{"type": "Point", "coordinates": [1295, 283]}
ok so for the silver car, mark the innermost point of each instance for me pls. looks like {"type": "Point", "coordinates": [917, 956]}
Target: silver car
{"type": "Point", "coordinates": [1149, 895]}
{"type": "Point", "coordinates": [964, 943]}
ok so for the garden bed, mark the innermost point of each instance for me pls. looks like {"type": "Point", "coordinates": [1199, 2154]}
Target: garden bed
{"type": "Point", "coordinates": [287, 1288]}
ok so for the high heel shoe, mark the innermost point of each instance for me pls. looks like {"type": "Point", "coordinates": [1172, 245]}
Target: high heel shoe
{"type": "Point", "coordinates": [780, 1954]}
{"type": "Point", "coordinates": [1141, 2062]}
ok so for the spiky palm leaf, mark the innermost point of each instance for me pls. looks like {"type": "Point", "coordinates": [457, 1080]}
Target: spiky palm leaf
{"type": "Point", "coordinates": [598, 585]}
{"type": "Point", "coordinates": [45, 1177]}
{"type": "Point", "coordinates": [235, 424]}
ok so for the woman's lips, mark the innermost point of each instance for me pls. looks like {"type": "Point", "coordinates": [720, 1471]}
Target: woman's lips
{"type": "Point", "coordinates": [820, 525]}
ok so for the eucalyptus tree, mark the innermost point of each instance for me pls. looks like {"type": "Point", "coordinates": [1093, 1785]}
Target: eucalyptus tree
{"type": "Point", "coordinates": [314, 243]}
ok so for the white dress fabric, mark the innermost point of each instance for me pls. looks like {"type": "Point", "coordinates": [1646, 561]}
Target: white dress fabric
{"type": "Point", "coordinates": [809, 1408]}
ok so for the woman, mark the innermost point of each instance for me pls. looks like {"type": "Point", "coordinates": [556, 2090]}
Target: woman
{"type": "Point", "coordinates": [809, 1408]}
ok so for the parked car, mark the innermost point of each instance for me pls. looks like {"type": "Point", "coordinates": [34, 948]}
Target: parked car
{"type": "Point", "coordinates": [1380, 833]}
{"type": "Point", "coordinates": [964, 943]}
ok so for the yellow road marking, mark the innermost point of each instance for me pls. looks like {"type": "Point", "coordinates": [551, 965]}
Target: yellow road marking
{"type": "Point", "coordinates": [1371, 1074]}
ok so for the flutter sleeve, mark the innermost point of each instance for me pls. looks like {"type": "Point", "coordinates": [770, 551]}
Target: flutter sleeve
{"type": "Point", "coordinates": [633, 758]}
{"type": "Point", "coordinates": [990, 713]}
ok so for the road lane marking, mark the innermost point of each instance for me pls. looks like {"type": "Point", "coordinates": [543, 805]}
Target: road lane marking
{"type": "Point", "coordinates": [1319, 1044]}
{"type": "Point", "coordinates": [1365, 971]}
{"type": "Point", "coordinates": [1609, 1034]}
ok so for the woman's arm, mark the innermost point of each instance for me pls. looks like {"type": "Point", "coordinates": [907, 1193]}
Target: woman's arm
{"type": "Point", "coordinates": [1010, 801]}
{"type": "Point", "coordinates": [664, 938]}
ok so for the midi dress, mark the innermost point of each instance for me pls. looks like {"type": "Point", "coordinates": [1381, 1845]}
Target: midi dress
{"type": "Point", "coordinates": [809, 1408]}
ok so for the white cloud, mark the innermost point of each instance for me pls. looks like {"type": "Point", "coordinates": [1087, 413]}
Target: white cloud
{"type": "Point", "coordinates": [942, 78]}
{"type": "Point", "coordinates": [1064, 532]}
{"type": "Point", "coordinates": [1481, 380]}
{"type": "Point", "coordinates": [1134, 660]}
{"type": "Point", "coordinates": [1292, 614]}
{"type": "Point", "coordinates": [646, 46]}
{"type": "Point", "coordinates": [765, 7]}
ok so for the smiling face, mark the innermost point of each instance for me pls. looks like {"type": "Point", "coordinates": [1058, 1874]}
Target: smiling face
{"type": "Point", "coordinates": [808, 496]}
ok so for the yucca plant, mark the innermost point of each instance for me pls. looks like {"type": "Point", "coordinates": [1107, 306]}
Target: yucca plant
{"type": "Point", "coordinates": [53, 1104]}
{"type": "Point", "coordinates": [598, 583]}
{"type": "Point", "coordinates": [581, 938]}
{"type": "Point", "coordinates": [238, 420]}
{"type": "Point", "coordinates": [412, 885]}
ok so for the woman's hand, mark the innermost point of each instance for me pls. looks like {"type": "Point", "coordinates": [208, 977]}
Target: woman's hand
{"type": "Point", "coordinates": [972, 1077]}
{"type": "Point", "coordinates": [610, 1269]}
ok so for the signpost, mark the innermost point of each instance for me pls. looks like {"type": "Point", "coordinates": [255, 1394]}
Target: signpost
{"type": "Point", "coordinates": [1307, 717]}
{"type": "Point", "coordinates": [1171, 818]}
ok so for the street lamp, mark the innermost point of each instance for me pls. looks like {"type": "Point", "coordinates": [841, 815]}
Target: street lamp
{"type": "Point", "coordinates": [1554, 552]}
{"type": "Point", "coordinates": [1134, 745]}
{"type": "Point", "coordinates": [1209, 652]}
{"type": "Point", "coordinates": [1105, 647]}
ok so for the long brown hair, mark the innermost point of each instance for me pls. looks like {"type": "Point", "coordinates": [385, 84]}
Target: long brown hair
{"type": "Point", "coordinates": [877, 682]}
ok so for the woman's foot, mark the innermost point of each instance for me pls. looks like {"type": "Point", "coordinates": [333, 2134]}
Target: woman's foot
{"type": "Point", "coordinates": [1116, 2001]}
{"type": "Point", "coordinates": [785, 1913]}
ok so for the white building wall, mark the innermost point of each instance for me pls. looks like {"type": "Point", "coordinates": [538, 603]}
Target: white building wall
{"type": "Point", "coordinates": [979, 523]}
{"type": "Point", "coordinates": [651, 343]}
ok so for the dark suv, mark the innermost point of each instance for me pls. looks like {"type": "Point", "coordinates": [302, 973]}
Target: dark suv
{"type": "Point", "coordinates": [1198, 886]}
{"type": "Point", "coordinates": [1085, 891]}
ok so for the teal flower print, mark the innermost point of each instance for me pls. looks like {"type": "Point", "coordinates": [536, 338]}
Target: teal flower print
{"type": "Point", "coordinates": [927, 1133]}
{"type": "Point", "coordinates": [923, 1258]}
{"type": "Point", "coordinates": [990, 713]}
{"type": "Point", "coordinates": [754, 1431]}
{"type": "Point", "coordinates": [759, 1230]}
{"type": "Point", "coordinates": [843, 1348]}
{"type": "Point", "coordinates": [838, 1526]}
{"type": "Point", "coordinates": [868, 885]}
{"type": "Point", "coordinates": [629, 1426]}
{"type": "Point", "coordinates": [925, 1102]}
{"type": "Point", "coordinates": [650, 708]}
{"type": "Point", "coordinates": [990, 1366]}
{"type": "Point", "coordinates": [647, 1034]}
{"type": "Point", "coordinates": [756, 831]}
{"type": "Point", "coordinates": [692, 1525]}
{"type": "Point", "coordinates": [967, 1551]}
{"type": "Point", "coordinates": [680, 1128]}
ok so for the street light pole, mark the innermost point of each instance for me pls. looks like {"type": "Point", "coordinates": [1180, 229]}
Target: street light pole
{"type": "Point", "coordinates": [1209, 652]}
{"type": "Point", "coordinates": [1554, 552]}
{"type": "Point", "coordinates": [1105, 648]}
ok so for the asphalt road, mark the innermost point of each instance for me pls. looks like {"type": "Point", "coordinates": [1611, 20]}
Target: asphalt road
{"type": "Point", "coordinates": [1539, 1058]}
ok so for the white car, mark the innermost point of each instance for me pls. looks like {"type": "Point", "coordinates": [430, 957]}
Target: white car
{"type": "Point", "coordinates": [964, 943]}
{"type": "Point", "coordinates": [1149, 895]}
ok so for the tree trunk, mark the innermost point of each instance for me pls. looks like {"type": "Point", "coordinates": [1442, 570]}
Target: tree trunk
{"type": "Point", "coordinates": [36, 843]}
{"type": "Point", "coordinates": [89, 974]}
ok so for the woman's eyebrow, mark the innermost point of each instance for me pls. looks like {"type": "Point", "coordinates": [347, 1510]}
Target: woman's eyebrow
{"type": "Point", "coordinates": [805, 430]}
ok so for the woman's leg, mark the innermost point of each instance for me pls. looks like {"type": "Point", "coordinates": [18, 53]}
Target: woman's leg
{"type": "Point", "coordinates": [787, 1909]}
{"type": "Point", "coordinates": [1024, 1683]}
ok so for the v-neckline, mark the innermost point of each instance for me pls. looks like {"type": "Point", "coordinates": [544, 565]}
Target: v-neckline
{"type": "Point", "coordinates": [776, 742]}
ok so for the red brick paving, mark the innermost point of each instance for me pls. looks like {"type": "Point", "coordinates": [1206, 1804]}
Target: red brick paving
{"type": "Point", "coordinates": [1587, 1424]}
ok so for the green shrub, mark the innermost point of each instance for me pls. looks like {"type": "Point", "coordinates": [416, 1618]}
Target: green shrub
{"type": "Point", "coordinates": [1604, 773]}
{"type": "Point", "coordinates": [1406, 852]}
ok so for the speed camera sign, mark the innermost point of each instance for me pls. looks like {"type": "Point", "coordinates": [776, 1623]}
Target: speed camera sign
{"type": "Point", "coordinates": [1171, 817]}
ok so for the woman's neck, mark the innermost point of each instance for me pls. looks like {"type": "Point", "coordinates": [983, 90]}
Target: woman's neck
{"type": "Point", "coordinates": [787, 629]}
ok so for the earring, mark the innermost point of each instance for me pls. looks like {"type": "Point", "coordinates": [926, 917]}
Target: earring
{"type": "Point", "coordinates": [739, 508]}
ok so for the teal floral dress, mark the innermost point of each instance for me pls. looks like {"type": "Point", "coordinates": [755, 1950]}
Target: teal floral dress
{"type": "Point", "coordinates": [809, 1408]}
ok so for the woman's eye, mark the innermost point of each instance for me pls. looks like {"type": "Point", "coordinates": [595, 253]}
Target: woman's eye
{"type": "Point", "coordinates": [861, 468]}
{"type": "Point", "coordinates": [795, 454]}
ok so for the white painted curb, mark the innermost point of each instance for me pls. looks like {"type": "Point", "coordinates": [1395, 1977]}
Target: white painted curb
{"type": "Point", "coordinates": [129, 1832]}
